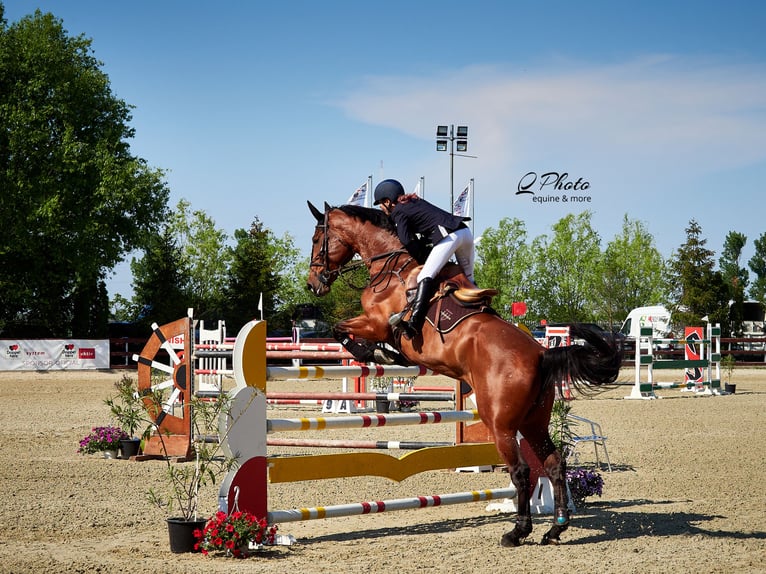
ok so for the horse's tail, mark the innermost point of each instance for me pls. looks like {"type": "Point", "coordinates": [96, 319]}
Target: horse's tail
{"type": "Point", "coordinates": [596, 363]}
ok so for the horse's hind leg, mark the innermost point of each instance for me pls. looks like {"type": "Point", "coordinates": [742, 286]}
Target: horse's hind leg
{"type": "Point", "coordinates": [519, 470]}
{"type": "Point", "coordinates": [555, 467]}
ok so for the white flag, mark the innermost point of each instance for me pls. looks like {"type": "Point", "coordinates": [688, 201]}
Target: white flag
{"type": "Point", "coordinates": [461, 206]}
{"type": "Point", "coordinates": [416, 191]}
{"type": "Point", "coordinates": [357, 198]}
{"type": "Point", "coordinates": [260, 305]}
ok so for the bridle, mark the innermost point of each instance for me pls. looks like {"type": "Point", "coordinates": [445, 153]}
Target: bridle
{"type": "Point", "coordinates": [326, 275]}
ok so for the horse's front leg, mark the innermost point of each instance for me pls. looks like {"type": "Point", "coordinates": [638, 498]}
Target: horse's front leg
{"type": "Point", "coordinates": [365, 336]}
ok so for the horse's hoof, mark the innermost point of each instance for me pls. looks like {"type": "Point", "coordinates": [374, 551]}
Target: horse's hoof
{"type": "Point", "coordinates": [549, 540]}
{"type": "Point", "coordinates": [509, 541]}
{"type": "Point", "coordinates": [383, 358]}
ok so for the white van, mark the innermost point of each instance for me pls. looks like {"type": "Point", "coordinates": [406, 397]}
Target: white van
{"type": "Point", "coordinates": [656, 316]}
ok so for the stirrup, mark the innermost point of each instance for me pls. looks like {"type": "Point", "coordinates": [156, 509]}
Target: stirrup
{"type": "Point", "coordinates": [396, 318]}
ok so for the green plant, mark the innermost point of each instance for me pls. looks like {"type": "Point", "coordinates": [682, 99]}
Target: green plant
{"type": "Point", "coordinates": [232, 534]}
{"type": "Point", "coordinates": [561, 434]}
{"type": "Point", "coordinates": [185, 479]}
{"type": "Point", "coordinates": [727, 363]}
{"type": "Point", "coordinates": [101, 439]}
{"type": "Point", "coordinates": [127, 407]}
{"type": "Point", "coordinates": [583, 483]}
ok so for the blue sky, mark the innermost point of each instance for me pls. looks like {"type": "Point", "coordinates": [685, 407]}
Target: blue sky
{"type": "Point", "coordinates": [255, 107]}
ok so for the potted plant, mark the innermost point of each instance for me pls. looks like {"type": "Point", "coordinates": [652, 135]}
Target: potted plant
{"type": "Point", "coordinates": [102, 439]}
{"type": "Point", "coordinates": [184, 480]}
{"type": "Point", "coordinates": [583, 483]}
{"type": "Point", "coordinates": [234, 534]}
{"type": "Point", "coordinates": [129, 413]}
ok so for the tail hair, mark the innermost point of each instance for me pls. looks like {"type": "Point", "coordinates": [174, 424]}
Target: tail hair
{"type": "Point", "coordinates": [595, 364]}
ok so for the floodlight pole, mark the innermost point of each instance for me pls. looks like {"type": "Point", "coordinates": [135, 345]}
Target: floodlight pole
{"type": "Point", "coordinates": [442, 135]}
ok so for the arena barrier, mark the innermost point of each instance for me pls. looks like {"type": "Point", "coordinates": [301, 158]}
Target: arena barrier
{"type": "Point", "coordinates": [246, 427]}
{"type": "Point", "coordinates": [702, 364]}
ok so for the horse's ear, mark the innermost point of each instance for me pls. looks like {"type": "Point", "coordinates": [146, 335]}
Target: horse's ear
{"type": "Point", "coordinates": [316, 213]}
{"type": "Point", "coordinates": [327, 207]}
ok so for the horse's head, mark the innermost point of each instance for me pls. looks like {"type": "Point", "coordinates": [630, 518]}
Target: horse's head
{"type": "Point", "coordinates": [328, 252]}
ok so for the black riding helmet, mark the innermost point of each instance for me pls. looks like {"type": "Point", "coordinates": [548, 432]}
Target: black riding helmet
{"type": "Point", "coordinates": [388, 189]}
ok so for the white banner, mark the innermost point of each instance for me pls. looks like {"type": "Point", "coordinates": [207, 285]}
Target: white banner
{"type": "Point", "coordinates": [53, 354]}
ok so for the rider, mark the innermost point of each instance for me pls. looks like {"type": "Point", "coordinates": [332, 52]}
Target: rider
{"type": "Point", "coordinates": [449, 234]}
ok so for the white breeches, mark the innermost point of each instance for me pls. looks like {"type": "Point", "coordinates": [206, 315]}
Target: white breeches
{"type": "Point", "coordinates": [459, 243]}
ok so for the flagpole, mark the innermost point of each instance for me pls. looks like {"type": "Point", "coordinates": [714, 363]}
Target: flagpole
{"type": "Point", "coordinates": [368, 196]}
{"type": "Point", "coordinates": [470, 203]}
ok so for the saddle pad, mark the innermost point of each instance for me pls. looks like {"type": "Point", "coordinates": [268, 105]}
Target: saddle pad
{"type": "Point", "coordinates": [452, 312]}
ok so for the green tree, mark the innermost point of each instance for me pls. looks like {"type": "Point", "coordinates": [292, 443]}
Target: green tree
{"type": "Point", "coordinates": [205, 258]}
{"type": "Point", "coordinates": [565, 270]}
{"type": "Point", "coordinates": [631, 274]}
{"type": "Point", "coordinates": [757, 264]}
{"type": "Point", "coordinates": [503, 263]}
{"type": "Point", "coordinates": [253, 272]}
{"type": "Point", "coordinates": [735, 277]}
{"type": "Point", "coordinates": [75, 200]}
{"type": "Point", "coordinates": [697, 290]}
{"type": "Point", "coordinates": [160, 281]}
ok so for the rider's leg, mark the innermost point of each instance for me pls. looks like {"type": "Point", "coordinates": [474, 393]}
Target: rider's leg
{"type": "Point", "coordinates": [465, 252]}
{"type": "Point", "coordinates": [425, 291]}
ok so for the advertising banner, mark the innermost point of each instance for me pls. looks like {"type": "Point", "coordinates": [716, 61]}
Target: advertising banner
{"type": "Point", "coordinates": [53, 354]}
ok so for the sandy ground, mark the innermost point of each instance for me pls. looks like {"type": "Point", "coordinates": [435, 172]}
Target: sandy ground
{"type": "Point", "coordinates": [686, 494]}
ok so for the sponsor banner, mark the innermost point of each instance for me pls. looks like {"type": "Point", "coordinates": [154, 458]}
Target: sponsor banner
{"type": "Point", "coordinates": [53, 354]}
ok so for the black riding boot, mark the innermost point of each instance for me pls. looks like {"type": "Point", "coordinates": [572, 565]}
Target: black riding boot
{"type": "Point", "coordinates": [423, 295]}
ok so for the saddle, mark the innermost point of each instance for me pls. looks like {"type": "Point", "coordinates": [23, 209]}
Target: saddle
{"type": "Point", "coordinates": [455, 300]}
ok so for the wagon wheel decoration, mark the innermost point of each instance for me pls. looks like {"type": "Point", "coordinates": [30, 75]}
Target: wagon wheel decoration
{"type": "Point", "coordinates": [174, 430]}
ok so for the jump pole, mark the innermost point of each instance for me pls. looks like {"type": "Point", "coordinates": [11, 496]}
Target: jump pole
{"type": "Point", "coordinates": [246, 426]}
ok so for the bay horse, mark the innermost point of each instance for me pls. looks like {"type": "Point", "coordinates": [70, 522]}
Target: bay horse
{"type": "Point", "coordinates": [513, 377]}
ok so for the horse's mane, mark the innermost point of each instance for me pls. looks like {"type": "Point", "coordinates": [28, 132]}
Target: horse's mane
{"type": "Point", "coordinates": [374, 216]}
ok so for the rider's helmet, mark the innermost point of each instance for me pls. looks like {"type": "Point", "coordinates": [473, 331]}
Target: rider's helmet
{"type": "Point", "coordinates": [388, 189]}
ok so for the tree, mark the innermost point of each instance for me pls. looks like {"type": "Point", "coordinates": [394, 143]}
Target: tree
{"type": "Point", "coordinates": [565, 270]}
{"type": "Point", "coordinates": [503, 263]}
{"type": "Point", "coordinates": [757, 264]}
{"type": "Point", "coordinates": [75, 200]}
{"type": "Point", "coordinates": [697, 290]}
{"type": "Point", "coordinates": [734, 276]}
{"type": "Point", "coordinates": [253, 273]}
{"type": "Point", "coordinates": [160, 281]}
{"type": "Point", "coordinates": [205, 258]}
{"type": "Point", "coordinates": [631, 274]}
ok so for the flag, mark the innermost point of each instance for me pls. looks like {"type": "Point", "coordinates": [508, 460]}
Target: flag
{"type": "Point", "coordinates": [461, 206]}
{"type": "Point", "coordinates": [358, 197]}
{"type": "Point", "coordinates": [260, 305]}
{"type": "Point", "coordinates": [417, 191]}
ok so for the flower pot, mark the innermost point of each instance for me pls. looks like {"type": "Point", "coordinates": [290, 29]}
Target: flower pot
{"type": "Point", "coordinates": [181, 534]}
{"type": "Point", "coordinates": [382, 406]}
{"type": "Point", "coordinates": [111, 453]}
{"type": "Point", "coordinates": [729, 388]}
{"type": "Point", "coordinates": [129, 447]}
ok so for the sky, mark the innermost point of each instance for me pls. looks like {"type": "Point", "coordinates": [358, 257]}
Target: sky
{"type": "Point", "coordinates": [657, 109]}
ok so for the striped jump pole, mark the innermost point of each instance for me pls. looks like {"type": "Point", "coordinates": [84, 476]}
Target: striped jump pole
{"type": "Point", "coordinates": [376, 507]}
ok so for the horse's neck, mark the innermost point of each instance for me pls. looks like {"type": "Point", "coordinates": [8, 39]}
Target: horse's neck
{"type": "Point", "coordinates": [369, 241]}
